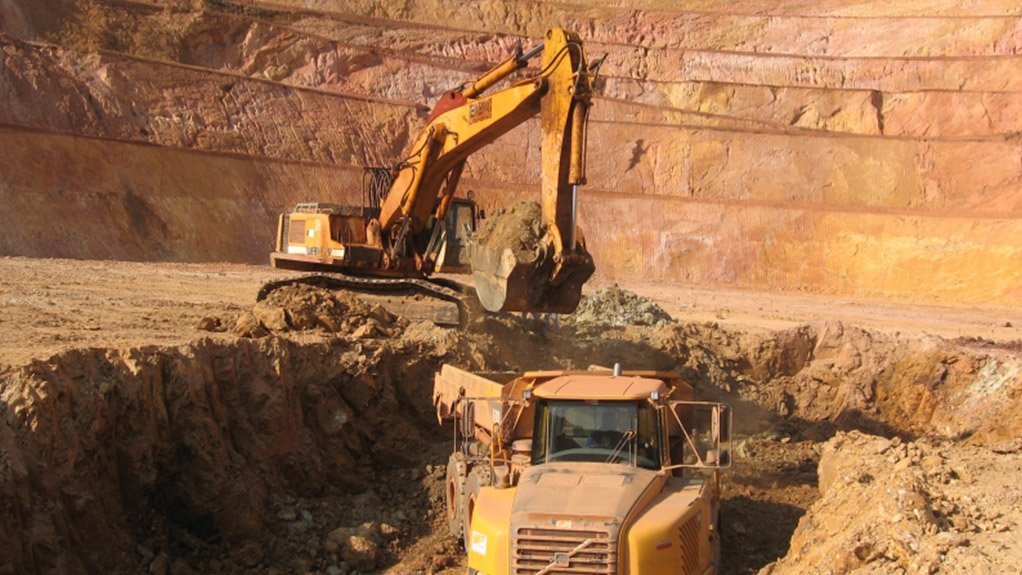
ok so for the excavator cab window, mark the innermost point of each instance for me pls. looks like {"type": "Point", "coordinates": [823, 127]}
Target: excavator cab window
{"type": "Point", "coordinates": [461, 222]}
{"type": "Point", "coordinates": [596, 431]}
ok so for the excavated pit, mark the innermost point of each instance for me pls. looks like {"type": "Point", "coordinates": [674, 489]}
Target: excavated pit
{"type": "Point", "coordinates": [112, 457]}
{"type": "Point", "coordinates": [312, 446]}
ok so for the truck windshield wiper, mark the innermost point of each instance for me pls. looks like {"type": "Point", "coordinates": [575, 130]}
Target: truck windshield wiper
{"type": "Point", "coordinates": [628, 436]}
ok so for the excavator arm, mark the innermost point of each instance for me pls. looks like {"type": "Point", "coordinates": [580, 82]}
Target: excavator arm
{"type": "Point", "coordinates": [464, 121]}
{"type": "Point", "coordinates": [564, 114]}
{"type": "Point", "coordinates": [454, 132]}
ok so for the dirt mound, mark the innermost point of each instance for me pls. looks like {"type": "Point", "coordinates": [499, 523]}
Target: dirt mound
{"type": "Point", "coordinates": [828, 376]}
{"type": "Point", "coordinates": [616, 307]}
{"type": "Point", "coordinates": [299, 451]}
{"type": "Point", "coordinates": [518, 227]}
{"type": "Point", "coordinates": [919, 507]}
{"type": "Point", "coordinates": [302, 307]}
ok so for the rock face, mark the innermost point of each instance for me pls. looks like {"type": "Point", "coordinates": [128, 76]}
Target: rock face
{"type": "Point", "coordinates": [868, 151]}
{"type": "Point", "coordinates": [893, 507]}
{"type": "Point", "coordinates": [204, 434]}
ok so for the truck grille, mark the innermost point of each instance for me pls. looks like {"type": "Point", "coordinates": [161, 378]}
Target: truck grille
{"type": "Point", "coordinates": [559, 551]}
{"type": "Point", "coordinates": [689, 533]}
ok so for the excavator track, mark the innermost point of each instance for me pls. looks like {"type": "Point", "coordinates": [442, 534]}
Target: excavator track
{"type": "Point", "coordinates": [444, 302]}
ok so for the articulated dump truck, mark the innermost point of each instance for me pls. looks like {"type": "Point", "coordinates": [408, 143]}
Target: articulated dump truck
{"type": "Point", "coordinates": [598, 471]}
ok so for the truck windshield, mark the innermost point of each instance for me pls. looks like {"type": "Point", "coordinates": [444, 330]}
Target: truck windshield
{"type": "Point", "coordinates": [600, 431]}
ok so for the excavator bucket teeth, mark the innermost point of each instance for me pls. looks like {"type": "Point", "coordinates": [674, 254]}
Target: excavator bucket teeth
{"type": "Point", "coordinates": [510, 281]}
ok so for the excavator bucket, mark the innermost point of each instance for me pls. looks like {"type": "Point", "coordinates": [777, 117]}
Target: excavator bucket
{"type": "Point", "coordinates": [515, 280]}
{"type": "Point", "coordinates": [533, 258]}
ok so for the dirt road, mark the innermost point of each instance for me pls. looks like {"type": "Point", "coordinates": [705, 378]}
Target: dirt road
{"type": "Point", "coordinates": [49, 305]}
{"type": "Point", "coordinates": [749, 309]}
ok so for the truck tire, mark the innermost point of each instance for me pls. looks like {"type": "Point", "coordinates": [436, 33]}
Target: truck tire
{"type": "Point", "coordinates": [454, 494]}
{"type": "Point", "coordinates": [477, 479]}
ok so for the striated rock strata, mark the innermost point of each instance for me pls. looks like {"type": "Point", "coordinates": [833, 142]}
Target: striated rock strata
{"type": "Point", "coordinates": [868, 151]}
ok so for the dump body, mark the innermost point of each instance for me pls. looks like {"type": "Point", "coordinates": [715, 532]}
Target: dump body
{"type": "Point", "coordinates": [583, 472]}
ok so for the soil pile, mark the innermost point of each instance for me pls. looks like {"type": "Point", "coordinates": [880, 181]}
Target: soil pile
{"type": "Point", "coordinates": [517, 227]}
{"type": "Point", "coordinates": [829, 376]}
{"type": "Point", "coordinates": [616, 307]}
{"type": "Point", "coordinates": [918, 507]}
{"type": "Point", "coordinates": [311, 448]}
{"type": "Point", "coordinates": [302, 307]}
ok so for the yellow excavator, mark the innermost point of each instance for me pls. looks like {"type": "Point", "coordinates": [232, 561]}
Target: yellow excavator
{"type": "Point", "coordinates": [411, 225]}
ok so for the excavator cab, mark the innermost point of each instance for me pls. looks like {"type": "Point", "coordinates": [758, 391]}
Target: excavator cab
{"type": "Point", "coordinates": [330, 237]}
{"type": "Point", "coordinates": [458, 228]}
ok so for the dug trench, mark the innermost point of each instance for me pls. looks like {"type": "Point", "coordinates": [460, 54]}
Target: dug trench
{"type": "Point", "coordinates": [304, 440]}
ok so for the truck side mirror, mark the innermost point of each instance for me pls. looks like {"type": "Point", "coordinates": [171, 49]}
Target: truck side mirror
{"type": "Point", "coordinates": [701, 434]}
{"type": "Point", "coordinates": [722, 422]}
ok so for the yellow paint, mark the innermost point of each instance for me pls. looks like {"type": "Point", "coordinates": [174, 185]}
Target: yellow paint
{"type": "Point", "coordinates": [489, 536]}
{"type": "Point", "coordinates": [653, 540]}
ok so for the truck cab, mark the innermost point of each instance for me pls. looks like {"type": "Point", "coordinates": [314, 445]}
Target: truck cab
{"type": "Point", "coordinates": [584, 472]}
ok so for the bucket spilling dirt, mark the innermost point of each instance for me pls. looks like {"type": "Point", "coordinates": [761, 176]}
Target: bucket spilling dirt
{"type": "Point", "coordinates": [514, 265]}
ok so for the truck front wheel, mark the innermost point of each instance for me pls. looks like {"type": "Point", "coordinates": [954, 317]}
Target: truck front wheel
{"type": "Point", "coordinates": [454, 494]}
{"type": "Point", "coordinates": [477, 479]}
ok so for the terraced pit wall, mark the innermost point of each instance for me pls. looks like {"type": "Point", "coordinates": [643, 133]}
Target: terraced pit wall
{"type": "Point", "coordinates": [864, 151]}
